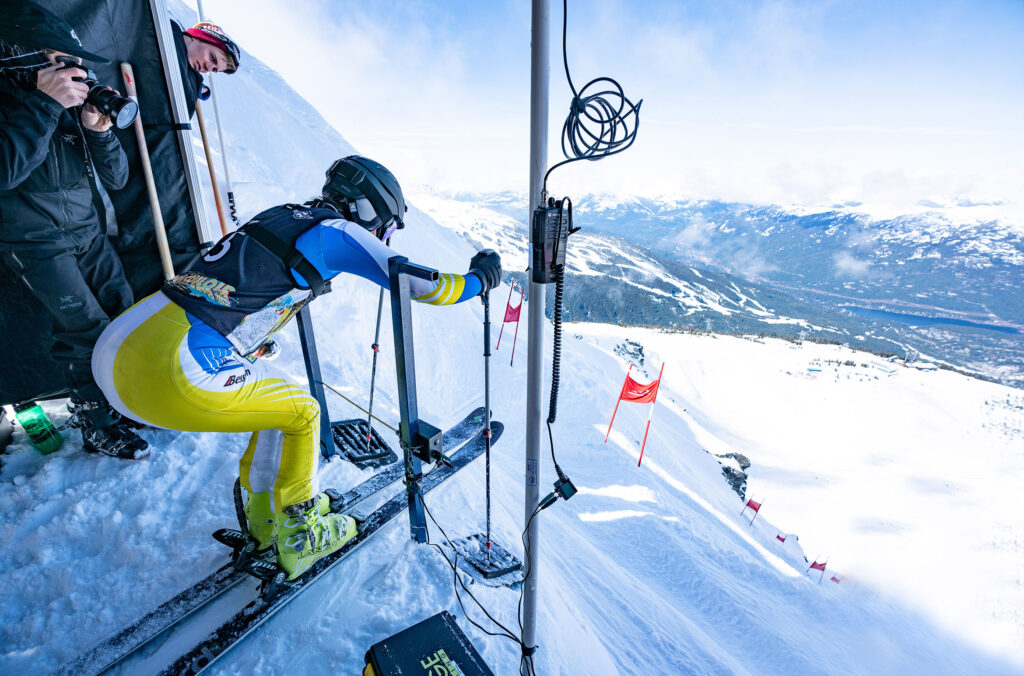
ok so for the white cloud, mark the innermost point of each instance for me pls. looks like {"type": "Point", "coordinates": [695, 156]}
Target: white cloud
{"type": "Point", "coordinates": [848, 265]}
{"type": "Point", "coordinates": [756, 103]}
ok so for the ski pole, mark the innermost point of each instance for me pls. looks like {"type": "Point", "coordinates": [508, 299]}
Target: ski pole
{"type": "Point", "coordinates": [213, 172]}
{"type": "Point", "coordinates": [486, 299]}
{"type": "Point", "coordinates": [147, 171]}
{"type": "Point", "coordinates": [373, 371]}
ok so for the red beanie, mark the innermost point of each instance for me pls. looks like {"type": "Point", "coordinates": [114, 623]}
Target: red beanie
{"type": "Point", "coordinates": [215, 35]}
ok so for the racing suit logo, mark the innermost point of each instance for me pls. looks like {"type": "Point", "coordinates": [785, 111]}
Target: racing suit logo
{"type": "Point", "coordinates": [236, 380]}
{"type": "Point", "coordinates": [201, 286]}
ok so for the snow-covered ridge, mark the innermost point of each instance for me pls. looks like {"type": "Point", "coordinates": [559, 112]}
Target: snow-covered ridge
{"type": "Point", "coordinates": [599, 256]}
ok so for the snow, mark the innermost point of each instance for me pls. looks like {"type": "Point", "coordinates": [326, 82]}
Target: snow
{"type": "Point", "coordinates": [906, 483]}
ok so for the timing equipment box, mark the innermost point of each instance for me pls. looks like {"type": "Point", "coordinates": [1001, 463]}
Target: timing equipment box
{"type": "Point", "coordinates": [435, 647]}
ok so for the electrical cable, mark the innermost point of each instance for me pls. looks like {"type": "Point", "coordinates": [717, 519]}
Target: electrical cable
{"type": "Point", "coordinates": [612, 118]}
{"type": "Point", "coordinates": [385, 423]}
{"type": "Point", "coordinates": [527, 659]}
{"type": "Point", "coordinates": [556, 350]}
{"type": "Point", "coordinates": [457, 582]}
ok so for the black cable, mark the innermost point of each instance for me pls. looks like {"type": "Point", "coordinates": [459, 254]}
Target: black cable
{"type": "Point", "coordinates": [527, 659]}
{"type": "Point", "coordinates": [556, 350]}
{"type": "Point", "coordinates": [505, 631]}
{"type": "Point", "coordinates": [607, 113]}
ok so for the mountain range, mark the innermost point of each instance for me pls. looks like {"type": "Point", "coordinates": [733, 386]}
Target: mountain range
{"type": "Point", "coordinates": [926, 283]}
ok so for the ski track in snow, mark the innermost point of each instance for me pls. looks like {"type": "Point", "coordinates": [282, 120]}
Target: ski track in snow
{"type": "Point", "coordinates": [907, 482]}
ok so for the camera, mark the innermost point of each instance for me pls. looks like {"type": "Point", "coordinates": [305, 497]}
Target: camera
{"type": "Point", "coordinates": [121, 109]}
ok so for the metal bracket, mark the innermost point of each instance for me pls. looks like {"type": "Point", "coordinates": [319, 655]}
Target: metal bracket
{"type": "Point", "coordinates": [420, 441]}
{"type": "Point", "coordinates": [316, 382]}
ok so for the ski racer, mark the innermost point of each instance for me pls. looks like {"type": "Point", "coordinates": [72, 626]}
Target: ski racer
{"type": "Point", "coordinates": [55, 150]}
{"type": "Point", "coordinates": [186, 357]}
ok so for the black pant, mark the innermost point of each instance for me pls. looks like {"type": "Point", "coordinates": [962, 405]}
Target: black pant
{"type": "Point", "coordinates": [82, 289]}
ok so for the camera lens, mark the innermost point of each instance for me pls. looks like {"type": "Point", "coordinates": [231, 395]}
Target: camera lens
{"type": "Point", "coordinates": [120, 109]}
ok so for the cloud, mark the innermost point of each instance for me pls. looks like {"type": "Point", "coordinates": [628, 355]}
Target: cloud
{"type": "Point", "coordinates": [774, 101]}
{"type": "Point", "coordinates": [693, 239]}
{"type": "Point", "coordinates": [848, 265]}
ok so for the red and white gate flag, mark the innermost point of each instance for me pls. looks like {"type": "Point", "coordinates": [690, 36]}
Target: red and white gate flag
{"type": "Point", "coordinates": [511, 315]}
{"type": "Point", "coordinates": [754, 505]}
{"type": "Point", "coordinates": [640, 394]}
{"type": "Point", "coordinates": [818, 566]}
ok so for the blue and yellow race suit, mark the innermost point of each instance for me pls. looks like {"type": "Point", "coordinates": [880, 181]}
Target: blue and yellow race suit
{"type": "Point", "coordinates": [163, 365]}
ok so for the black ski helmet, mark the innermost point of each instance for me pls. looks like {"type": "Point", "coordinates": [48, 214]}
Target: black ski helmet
{"type": "Point", "coordinates": [353, 178]}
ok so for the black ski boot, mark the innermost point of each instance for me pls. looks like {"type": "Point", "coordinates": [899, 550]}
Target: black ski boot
{"type": "Point", "coordinates": [105, 431]}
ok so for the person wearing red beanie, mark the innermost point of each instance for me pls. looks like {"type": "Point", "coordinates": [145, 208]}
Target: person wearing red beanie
{"type": "Point", "coordinates": [210, 49]}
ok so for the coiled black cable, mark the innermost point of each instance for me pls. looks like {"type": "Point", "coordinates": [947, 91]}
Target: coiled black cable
{"type": "Point", "coordinates": [556, 349]}
{"type": "Point", "coordinates": [599, 124]}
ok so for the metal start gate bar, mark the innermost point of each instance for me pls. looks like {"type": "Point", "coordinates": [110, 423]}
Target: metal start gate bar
{"type": "Point", "coordinates": [420, 440]}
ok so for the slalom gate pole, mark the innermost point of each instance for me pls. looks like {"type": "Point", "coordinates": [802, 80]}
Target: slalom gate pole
{"type": "Point", "coordinates": [498, 346]}
{"type": "Point", "coordinates": [649, 415]}
{"type": "Point", "coordinates": [539, 81]}
{"type": "Point", "coordinates": [756, 512]}
{"type": "Point", "coordinates": [233, 211]}
{"type": "Point", "coordinates": [147, 171]}
{"type": "Point", "coordinates": [646, 430]}
{"type": "Point", "coordinates": [373, 371]}
{"type": "Point", "coordinates": [486, 299]}
{"type": "Point", "coordinates": [213, 172]}
{"type": "Point", "coordinates": [617, 402]}
{"type": "Point", "coordinates": [522, 295]}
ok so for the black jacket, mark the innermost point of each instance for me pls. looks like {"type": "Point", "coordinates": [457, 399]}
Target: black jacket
{"type": "Point", "coordinates": [191, 79]}
{"type": "Point", "coordinates": [46, 201]}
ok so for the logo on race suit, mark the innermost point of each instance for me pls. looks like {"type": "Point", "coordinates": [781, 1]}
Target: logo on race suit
{"type": "Point", "coordinates": [69, 303]}
{"type": "Point", "coordinates": [237, 380]}
{"type": "Point", "coordinates": [302, 214]}
{"type": "Point", "coordinates": [202, 286]}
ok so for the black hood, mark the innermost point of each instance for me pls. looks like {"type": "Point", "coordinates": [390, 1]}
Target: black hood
{"type": "Point", "coordinates": [20, 65]}
{"type": "Point", "coordinates": [28, 25]}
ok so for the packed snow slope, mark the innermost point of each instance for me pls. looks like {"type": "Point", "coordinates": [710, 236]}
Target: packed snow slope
{"type": "Point", "coordinates": [648, 570]}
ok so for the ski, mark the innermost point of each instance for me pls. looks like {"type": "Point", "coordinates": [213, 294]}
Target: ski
{"type": "Point", "coordinates": [116, 648]}
{"type": "Point", "coordinates": [250, 618]}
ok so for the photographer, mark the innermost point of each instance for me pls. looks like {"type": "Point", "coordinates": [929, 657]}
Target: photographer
{"type": "Point", "coordinates": [53, 147]}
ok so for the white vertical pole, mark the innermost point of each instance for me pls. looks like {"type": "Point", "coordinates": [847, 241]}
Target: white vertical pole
{"type": "Point", "coordinates": [220, 137]}
{"type": "Point", "coordinates": [535, 343]}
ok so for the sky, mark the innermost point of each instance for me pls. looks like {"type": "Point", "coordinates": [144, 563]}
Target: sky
{"type": "Point", "coordinates": [794, 103]}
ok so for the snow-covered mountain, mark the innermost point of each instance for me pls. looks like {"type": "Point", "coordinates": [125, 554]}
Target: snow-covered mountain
{"type": "Point", "coordinates": [906, 480]}
{"type": "Point", "coordinates": [937, 281]}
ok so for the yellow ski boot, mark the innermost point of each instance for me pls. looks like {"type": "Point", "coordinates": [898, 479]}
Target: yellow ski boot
{"type": "Point", "coordinates": [309, 531]}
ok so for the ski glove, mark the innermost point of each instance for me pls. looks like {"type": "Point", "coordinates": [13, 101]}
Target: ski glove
{"type": "Point", "coordinates": [486, 265]}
